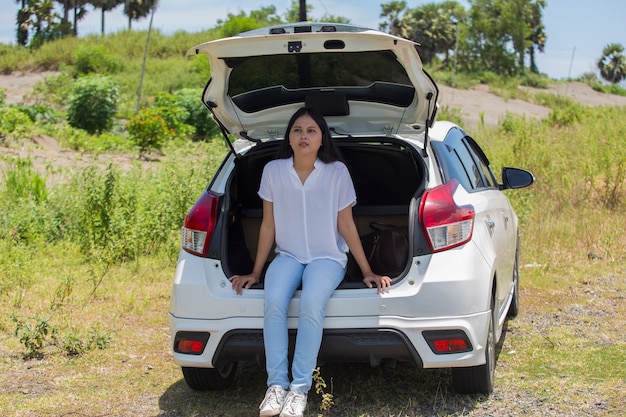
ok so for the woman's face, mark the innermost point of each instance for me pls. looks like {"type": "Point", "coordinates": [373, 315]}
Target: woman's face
{"type": "Point", "coordinates": [305, 137]}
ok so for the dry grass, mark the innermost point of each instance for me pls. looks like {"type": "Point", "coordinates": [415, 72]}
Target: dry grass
{"type": "Point", "coordinates": [563, 355]}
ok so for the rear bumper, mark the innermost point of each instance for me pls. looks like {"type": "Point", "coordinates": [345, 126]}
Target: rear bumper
{"type": "Point", "coordinates": [393, 338]}
{"type": "Point", "coordinates": [449, 291]}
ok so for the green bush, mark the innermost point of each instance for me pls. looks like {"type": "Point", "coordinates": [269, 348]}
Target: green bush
{"type": "Point", "coordinates": [96, 59]}
{"type": "Point", "coordinates": [40, 113]}
{"type": "Point", "coordinates": [535, 80]}
{"type": "Point", "coordinates": [192, 112]}
{"type": "Point", "coordinates": [148, 130]}
{"type": "Point", "coordinates": [93, 103]}
{"type": "Point", "coordinates": [13, 119]}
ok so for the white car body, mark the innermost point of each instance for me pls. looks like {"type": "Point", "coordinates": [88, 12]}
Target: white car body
{"type": "Point", "coordinates": [455, 299]}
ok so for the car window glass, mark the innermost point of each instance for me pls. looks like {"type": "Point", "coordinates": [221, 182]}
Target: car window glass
{"type": "Point", "coordinates": [449, 160]}
{"type": "Point", "coordinates": [481, 160]}
{"type": "Point", "coordinates": [472, 171]}
{"type": "Point", "coordinates": [487, 174]}
{"type": "Point", "coordinates": [282, 79]}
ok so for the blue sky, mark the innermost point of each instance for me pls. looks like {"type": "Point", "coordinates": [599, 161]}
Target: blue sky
{"type": "Point", "coordinates": [577, 30]}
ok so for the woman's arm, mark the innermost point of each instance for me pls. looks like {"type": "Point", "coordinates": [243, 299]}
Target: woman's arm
{"type": "Point", "coordinates": [347, 228]}
{"type": "Point", "coordinates": [264, 246]}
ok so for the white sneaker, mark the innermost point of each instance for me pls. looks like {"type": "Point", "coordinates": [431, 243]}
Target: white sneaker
{"type": "Point", "coordinates": [273, 401]}
{"type": "Point", "coordinates": [294, 405]}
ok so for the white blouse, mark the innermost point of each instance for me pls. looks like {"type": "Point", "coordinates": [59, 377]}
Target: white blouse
{"type": "Point", "coordinates": [305, 215]}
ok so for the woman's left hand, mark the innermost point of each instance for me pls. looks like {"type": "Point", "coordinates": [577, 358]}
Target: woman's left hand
{"type": "Point", "coordinates": [382, 282]}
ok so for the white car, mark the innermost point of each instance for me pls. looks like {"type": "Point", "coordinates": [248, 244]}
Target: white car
{"type": "Point", "coordinates": [446, 309]}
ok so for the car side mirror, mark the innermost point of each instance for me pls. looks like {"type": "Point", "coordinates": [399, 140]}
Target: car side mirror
{"type": "Point", "coordinates": [514, 178]}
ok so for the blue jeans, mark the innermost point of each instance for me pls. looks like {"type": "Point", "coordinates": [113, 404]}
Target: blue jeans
{"type": "Point", "coordinates": [319, 279]}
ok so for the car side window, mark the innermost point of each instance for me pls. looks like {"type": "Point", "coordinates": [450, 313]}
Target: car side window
{"type": "Point", "coordinates": [461, 158]}
{"type": "Point", "coordinates": [449, 160]}
{"type": "Point", "coordinates": [472, 170]}
{"type": "Point", "coordinates": [489, 180]}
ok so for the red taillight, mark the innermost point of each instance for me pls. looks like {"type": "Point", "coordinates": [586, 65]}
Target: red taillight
{"type": "Point", "coordinates": [446, 224]}
{"type": "Point", "coordinates": [200, 224]}
{"type": "Point", "coordinates": [443, 342]}
{"type": "Point", "coordinates": [450, 345]}
{"type": "Point", "coordinates": [190, 343]}
{"type": "Point", "coordinates": [193, 347]}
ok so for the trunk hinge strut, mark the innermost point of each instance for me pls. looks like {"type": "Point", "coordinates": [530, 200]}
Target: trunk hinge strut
{"type": "Point", "coordinates": [211, 105]}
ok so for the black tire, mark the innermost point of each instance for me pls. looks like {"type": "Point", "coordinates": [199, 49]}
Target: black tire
{"type": "Point", "coordinates": [210, 379]}
{"type": "Point", "coordinates": [479, 379]}
{"type": "Point", "coordinates": [514, 306]}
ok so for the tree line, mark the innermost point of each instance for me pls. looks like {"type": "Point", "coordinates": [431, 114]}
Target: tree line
{"type": "Point", "coordinates": [500, 36]}
{"type": "Point", "coordinates": [38, 22]}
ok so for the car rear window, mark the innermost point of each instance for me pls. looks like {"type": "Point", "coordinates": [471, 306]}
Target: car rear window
{"type": "Point", "coordinates": [262, 82]}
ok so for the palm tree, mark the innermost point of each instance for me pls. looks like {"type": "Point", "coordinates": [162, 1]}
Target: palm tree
{"type": "Point", "coordinates": [23, 23]}
{"type": "Point", "coordinates": [612, 65]}
{"type": "Point", "coordinates": [138, 9]}
{"type": "Point", "coordinates": [105, 6]}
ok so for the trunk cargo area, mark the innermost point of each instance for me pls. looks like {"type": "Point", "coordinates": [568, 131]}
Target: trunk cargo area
{"type": "Point", "coordinates": [387, 176]}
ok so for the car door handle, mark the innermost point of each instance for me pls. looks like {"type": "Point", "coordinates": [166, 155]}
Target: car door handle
{"type": "Point", "coordinates": [491, 226]}
{"type": "Point", "coordinates": [506, 220]}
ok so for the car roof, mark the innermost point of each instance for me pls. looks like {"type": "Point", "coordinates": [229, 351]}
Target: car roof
{"type": "Point", "coordinates": [364, 81]}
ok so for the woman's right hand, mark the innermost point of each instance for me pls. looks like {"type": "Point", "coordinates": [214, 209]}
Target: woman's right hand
{"type": "Point", "coordinates": [239, 282]}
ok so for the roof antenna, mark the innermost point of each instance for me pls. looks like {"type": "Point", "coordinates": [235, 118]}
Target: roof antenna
{"type": "Point", "coordinates": [429, 121]}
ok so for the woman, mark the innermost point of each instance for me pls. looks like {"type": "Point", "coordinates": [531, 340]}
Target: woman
{"type": "Point", "coordinates": [308, 197]}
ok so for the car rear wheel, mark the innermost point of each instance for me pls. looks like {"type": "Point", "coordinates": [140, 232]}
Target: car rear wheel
{"type": "Point", "coordinates": [479, 379]}
{"type": "Point", "coordinates": [210, 379]}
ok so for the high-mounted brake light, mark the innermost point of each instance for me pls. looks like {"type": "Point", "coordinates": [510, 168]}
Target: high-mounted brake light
{"type": "Point", "coordinates": [199, 224]}
{"type": "Point", "coordinates": [447, 225]}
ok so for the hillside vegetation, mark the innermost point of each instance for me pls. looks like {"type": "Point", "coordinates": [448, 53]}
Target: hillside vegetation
{"type": "Point", "coordinates": [88, 252]}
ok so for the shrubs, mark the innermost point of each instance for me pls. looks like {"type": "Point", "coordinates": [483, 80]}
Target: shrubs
{"type": "Point", "coordinates": [97, 60]}
{"type": "Point", "coordinates": [12, 120]}
{"type": "Point", "coordinates": [196, 115]}
{"type": "Point", "coordinates": [148, 130]}
{"type": "Point", "coordinates": [93, 103]}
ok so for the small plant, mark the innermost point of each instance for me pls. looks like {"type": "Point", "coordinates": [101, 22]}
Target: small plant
{"type": "Point", "coordinates": [148, 130]}
{"type": "Point", "coordinates": [74, 345]}
{"type": "Point", "coordinates": [23, 182]}
{"type": "Point", "coordinates": [35, 336]}
{"type": "Point", "coordinates": [327, 397]}
{"type": "Point", "coordinates": [62, 293]}
{"type": "Point", "coordinates": [98, 339]}
{"type": "Point", "coordinates": [93, 103]}
{"type": "Point", "coordinates": [13, 120]}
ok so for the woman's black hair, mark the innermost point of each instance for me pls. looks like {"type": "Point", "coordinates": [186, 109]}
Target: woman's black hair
{"type": "Point", "coordinates": [327, 153]}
